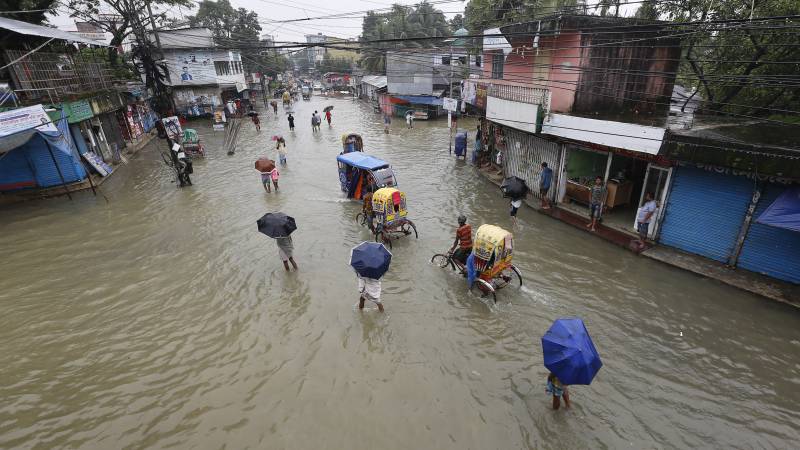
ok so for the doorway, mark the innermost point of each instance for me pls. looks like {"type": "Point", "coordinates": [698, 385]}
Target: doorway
{"type": "Point", "coordinates": [656, 181]}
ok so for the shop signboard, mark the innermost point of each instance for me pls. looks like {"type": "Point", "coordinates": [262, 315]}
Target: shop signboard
{"type": "Point", "coordinates": [450, 104]}
{"type": "Point", "coordinates": [21, 119]}
{"type": "Point", "coordinates": [173, 127]}
{"type": "Point", "coordinates": [480, 96]}
{"type": "Point", "coordinates": [97, 163]}
{"type": "Point", "coordinates": [78, 111]}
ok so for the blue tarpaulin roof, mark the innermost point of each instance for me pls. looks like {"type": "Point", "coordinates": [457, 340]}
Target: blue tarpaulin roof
{"type": "Point", "coordinates": [420, 99]}
{"type": "Point", "coordinates": [784, 212]}
{"type": "Point", "coordinates": [362, 161]}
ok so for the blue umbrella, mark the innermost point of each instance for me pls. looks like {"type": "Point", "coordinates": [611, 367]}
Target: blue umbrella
{"type": "Point", "coordinates": [569, 352]}
{"type": "Point", "coordinates": [370, 259]}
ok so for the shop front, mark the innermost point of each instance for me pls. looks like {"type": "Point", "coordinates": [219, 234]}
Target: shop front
{"type": "Point", "coordinates": [627, 175]}
{"type": "Point", "coordinates": [714, 212]}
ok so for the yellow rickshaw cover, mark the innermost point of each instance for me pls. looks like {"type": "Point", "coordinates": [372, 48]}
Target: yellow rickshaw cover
{"type": "Point", "coordinates": [388, 205]}
{"type": "Point", "coordinates": [491, 240]}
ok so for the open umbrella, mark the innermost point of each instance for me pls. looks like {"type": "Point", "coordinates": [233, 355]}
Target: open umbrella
{"type": "Point", "coordinates": [370, 259]}
{"type": "Point", "coordinates": [275, 137]}
{"type": "Point", "coordinates": [514, 187]}
{"type": "Point", "coordinates": [265, 165]}
{"type": "Point", "coordinates": [327, 108]}
{"type": "Point", "coordinates": [276, 225]}
{"type": "Point", "coordinates": [252, 113]}
{"type": "Point", "coordinates": [569, 352]}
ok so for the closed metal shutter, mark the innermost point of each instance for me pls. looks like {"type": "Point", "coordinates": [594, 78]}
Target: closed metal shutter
{"type": "Point", "coordinates": [705, 212]}
{"type": "Point", "coordinates": [771, 250]}
{"type": "Point", "coordinates": [524, 156]}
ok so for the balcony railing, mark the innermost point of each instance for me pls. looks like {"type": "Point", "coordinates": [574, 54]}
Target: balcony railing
{"type": "Point", "coordinates": [522, 94]}
{"type": "Point", "coordinates": [58, 76]}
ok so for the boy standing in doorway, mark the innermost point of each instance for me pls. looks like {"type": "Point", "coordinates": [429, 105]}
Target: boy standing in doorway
{"type": "Point", "coordinates": [598, 198]}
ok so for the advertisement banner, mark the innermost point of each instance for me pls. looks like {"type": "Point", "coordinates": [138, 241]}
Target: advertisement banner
{"type": "Point", "coordinates": [480, 96]}
{"type": "Point", "coordinates": [20, 119]}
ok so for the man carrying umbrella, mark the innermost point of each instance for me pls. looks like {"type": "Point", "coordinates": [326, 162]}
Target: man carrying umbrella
{"type": "Point", "coordinates": [279, 226]}
{"type": "Point", "coordinates": [571, 357]}
{"type": "Point", "coordinates": [371, 261]}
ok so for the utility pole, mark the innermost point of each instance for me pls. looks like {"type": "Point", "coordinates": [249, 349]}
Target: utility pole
{"type": "Point", "coordinates": [161, 56]}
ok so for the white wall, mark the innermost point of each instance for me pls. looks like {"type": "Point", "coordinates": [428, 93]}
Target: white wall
{"type": "Point", "coordinates": [521, 116]}
{"type": "Point", "coordinates": [639, 138]}
{"type": "Point", "coordinates": [199, 67]}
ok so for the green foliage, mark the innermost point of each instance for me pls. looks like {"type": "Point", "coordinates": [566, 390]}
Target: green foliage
{"type": "Point", "coordinates": [421, 20]}
{"type": "Point", "coordinates": [734, 69]}
{"type": "Point", "coordinates": [38, 17]}
{"type": "Point", "coordinates": [331, 64]}
{"type": "Point", "coordinates": [485, 14]}
{"type": "Point", "coordinates": [456, 22]}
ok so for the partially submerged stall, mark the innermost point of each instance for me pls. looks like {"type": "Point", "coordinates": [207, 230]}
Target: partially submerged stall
{"type": "Point", "coordinates": [35, 152]}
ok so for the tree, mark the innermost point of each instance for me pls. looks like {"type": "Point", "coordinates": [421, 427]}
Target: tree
{"type": "Point", "coordinates": [457, 22]}
{"type": "Point", "coordinates": [37, 17]}
{"type": "Point", "coordinates": [333, 64]}
{"type": "Point", "coordinates": [401, 22]}
{"type": "Point", "coordinates": [120, 18]}
{"type": "Point", "coordinates": [484, 14]}
{"type": "Point", "coordinates": [737, 67]}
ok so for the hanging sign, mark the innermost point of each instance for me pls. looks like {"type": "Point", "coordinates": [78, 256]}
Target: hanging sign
{"type": "Point", "coordinates": [450, 104]}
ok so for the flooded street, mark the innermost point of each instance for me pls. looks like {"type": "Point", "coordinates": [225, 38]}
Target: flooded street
{"type": "Point", "coordinates": [162, 318]}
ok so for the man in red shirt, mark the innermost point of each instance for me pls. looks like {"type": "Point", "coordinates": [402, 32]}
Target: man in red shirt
{"type": "Point", "coordinates": [463, 241]}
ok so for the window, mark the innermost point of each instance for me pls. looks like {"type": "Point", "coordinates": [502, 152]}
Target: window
{"type": "Point", "coordinates": [478, 60]}
{"type": "Point", "coordinates": [498, 59]}
{"type": "Point", "coordinates": [445, 60]}
{"type": "Point", "coordinates": [222, 68]}
{"type": "Point", "coordinates": [462, 60]}
{"type": "Point", "coordinates": [236, 67]}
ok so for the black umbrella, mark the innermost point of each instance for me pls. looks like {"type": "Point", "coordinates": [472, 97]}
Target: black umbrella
{"type": "Point", "coordinates": [252, 113]}
{"type": "Point", "coordinates": [276, 225]}
{"type": "Point", "coordinates": [514, 187]}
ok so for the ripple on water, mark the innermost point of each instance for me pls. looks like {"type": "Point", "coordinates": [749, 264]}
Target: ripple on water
{"type": "Point", "coordinates": [162, 318]}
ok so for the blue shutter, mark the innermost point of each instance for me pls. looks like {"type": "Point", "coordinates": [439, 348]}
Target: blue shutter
{"type": "Point", "coordinates": [44, 170]}
{"type": "Point", "coordinates": [705, 212]}
{"type": "Point", "coordinates": [771, 250]}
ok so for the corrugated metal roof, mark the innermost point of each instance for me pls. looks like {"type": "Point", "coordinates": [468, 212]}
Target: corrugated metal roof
{"type": "Point", "coordinates": [30, 29]}
{"type": "Point", "coordinates": [379, 81]}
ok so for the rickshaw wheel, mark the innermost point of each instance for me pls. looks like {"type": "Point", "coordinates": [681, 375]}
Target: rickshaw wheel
{"type": "Point", "coordinates": [485, 288]}
{"type": "Point", "coordinates": [405, 228]}
{"type": "Point", "coordinates": [507, 277]}
{"type": "Point", "coordinates": [441, 260]}
{"type": "Point", "coordinates": [381, 236]}
{"type": "Point", "coordinates": [361, 219]}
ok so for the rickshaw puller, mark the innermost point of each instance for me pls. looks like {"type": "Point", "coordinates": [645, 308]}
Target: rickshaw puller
{"type": "Point", "coordinates": [463, 241]}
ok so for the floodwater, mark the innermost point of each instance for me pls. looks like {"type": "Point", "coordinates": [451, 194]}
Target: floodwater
{"type": "Point", "coordinates": [160, 318]}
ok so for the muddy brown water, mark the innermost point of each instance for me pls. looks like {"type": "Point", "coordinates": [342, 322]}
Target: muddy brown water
{"type": "Point", "coordinates": [162, 318]}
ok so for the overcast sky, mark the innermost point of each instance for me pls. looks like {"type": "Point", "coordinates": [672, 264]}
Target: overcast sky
{"type": "Point", "coordinates": [271, 10]}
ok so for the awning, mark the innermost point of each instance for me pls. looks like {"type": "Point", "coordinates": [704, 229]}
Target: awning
{"type": "Point", "coordinates": [784, 212]}
{"type": "Point", "coordinates": [379, 81]}
{"type": "Point", "coordinates": [420, 99]}
{"type": "Point", "coordinates": [30, 29]}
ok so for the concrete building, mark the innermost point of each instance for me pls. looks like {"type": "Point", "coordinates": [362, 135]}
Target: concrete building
{"type": "Point", "coordinates": [596, 97]}
{"type": "Point", "coordinates": [315, 54]}
{"type": "Point", "coordinates": [202, 75]}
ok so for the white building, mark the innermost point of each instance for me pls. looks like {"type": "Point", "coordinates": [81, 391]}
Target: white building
{"type": "Point", "coordinates": [316, 54]}
{"type": "Point", "coordinates": [202, 75]}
